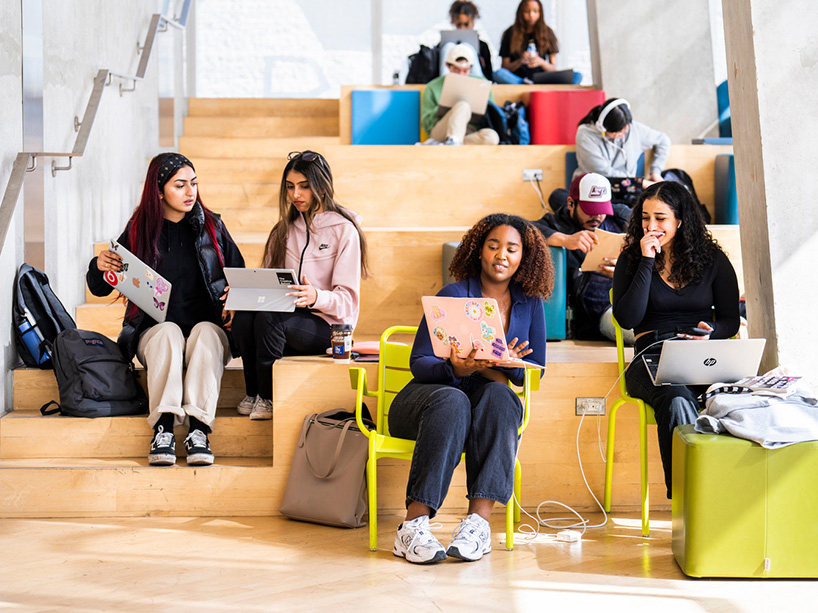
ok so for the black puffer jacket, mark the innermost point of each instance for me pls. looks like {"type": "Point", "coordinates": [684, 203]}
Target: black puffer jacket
{"type": "Point", "coordinates": [209, 266]}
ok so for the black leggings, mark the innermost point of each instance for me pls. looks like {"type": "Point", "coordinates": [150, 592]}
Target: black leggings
{"type": "Point", "coordinates": [265, 336]}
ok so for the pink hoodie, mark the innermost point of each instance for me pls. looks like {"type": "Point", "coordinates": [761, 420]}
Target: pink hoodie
{"type": "Point", "coordinates": [331, 262]}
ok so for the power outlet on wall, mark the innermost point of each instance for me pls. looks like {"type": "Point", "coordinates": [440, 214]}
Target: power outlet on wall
{"type": "Point", "coordinates": [532, 174]}
{"type": "Point", "coordinates": [590, 406]}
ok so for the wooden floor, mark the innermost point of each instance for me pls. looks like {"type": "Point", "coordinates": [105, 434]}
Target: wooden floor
{"type": "Point", "coordinates": [272, 564]}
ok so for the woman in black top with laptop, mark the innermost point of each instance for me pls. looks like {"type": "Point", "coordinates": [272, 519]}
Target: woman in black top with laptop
{"type": "Point", "coordinates": [671, 281]}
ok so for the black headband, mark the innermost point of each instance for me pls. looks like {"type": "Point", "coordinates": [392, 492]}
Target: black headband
{"type": "Point", "coordinates": [172, 163]}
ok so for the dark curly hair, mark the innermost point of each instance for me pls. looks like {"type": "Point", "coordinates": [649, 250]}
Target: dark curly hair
{"type": "Point", "coordinates": [536, 271]}
{"type": "Point", "coordinates": [693, 247]}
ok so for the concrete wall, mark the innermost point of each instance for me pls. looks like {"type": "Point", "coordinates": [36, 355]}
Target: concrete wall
{"type": "Point", "coordinates": [11, 142]}
{"type": "Point", "coordinates": [93, 201]}
{"type": "Point", "coordinates": [659, 56]}
{"type": "Point", "coordinates": [772, 59]}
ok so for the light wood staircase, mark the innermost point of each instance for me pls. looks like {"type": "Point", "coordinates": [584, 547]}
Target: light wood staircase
{"type": "Point", "coordinates": [411, 200]}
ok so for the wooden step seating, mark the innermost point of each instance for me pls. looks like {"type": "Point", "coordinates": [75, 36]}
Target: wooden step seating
{"type": "Point", "coordinates": [251, 117]}
{"type": "Point", "coordinates": [69, 467]}
{"type": "Point", "coordinates": [411, 199]}
{"type": "Point", "coordinates": [404, 185]}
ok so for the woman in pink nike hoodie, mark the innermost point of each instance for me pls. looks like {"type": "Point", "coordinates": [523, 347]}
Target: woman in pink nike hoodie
{"type": "Point", "coordinates": [323, 242]}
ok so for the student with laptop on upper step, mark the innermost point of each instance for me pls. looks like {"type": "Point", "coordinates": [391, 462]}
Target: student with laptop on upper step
{"type": "Point", "coordinates": [322, 242]}
{"type": "Point", "coordinates": [173, 233]}
{"type": "Point", "coordinates": [671, 281]}
{"type": "Point", "coordinates": [457, 125]}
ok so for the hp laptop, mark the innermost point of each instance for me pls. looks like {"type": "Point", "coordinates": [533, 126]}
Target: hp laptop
{"type": "Point", "coordinates": [139, 283]}
{"type": "Point", "coordinates": [260, 289]}
{"type": "Point", "coordinates": [691, 362]}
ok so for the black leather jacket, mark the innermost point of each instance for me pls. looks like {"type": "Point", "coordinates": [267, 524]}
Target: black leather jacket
{"type": "Point", "coordinates": [209, 265]}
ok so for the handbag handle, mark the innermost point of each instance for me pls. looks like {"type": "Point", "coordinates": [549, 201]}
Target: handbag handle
{"type": "Point", "coordinates": [302, 440]}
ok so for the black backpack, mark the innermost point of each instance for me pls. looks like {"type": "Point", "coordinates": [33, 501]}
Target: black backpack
{"type": "Point", "coordinates": [38, 316]}
{"type": "Point", "coordinates": [423, 65]}
{"type": "Point", "coordinates": [680, 176]}
{"type": "Point", "coordinates": [95, 380]}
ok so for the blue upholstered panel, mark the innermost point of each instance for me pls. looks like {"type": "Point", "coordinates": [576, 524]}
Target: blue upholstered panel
{"type": "Point", "coordinates": [385, 117]}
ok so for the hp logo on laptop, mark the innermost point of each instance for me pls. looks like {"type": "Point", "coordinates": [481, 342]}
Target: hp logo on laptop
{"type": "Point", "coordinates": [710, 362]}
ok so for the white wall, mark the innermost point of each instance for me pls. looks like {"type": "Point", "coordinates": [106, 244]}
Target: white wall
{"type": "Point", "coordinates": [11, 142]}
{"type": "Point", "coordinates": [659, 55]}
{"type": "Point", "coordinates": [309, 48]}
{"type": "Point", "coordinates": [93, 201]}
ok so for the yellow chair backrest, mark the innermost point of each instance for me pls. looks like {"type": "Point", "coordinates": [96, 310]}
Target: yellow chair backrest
{"type": "Point", "coordinates": [393, 372]}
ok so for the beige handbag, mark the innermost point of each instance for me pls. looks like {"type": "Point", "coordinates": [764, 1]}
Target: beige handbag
{"type": "Point", "coordinates": [327, 482]}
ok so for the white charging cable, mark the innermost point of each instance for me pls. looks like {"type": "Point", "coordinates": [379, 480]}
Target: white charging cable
{"type": "Point", "coordinates": [567, 532]}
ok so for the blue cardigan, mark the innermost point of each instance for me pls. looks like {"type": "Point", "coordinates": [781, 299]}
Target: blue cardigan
{"type": "Point", "coordinates": [527, 324]}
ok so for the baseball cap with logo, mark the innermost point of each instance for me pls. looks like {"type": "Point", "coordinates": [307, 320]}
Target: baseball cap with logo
{"type": "Point", "coordinates": [593, 193]}
{"type": "Point", "coordinates": [461, 52]}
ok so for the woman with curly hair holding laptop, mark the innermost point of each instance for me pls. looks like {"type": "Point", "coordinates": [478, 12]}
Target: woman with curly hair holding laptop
{"type": "Point", "coordinates": [462, 403]}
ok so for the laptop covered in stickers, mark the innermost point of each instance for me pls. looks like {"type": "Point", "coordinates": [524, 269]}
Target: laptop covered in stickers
{"type": "Point", "coordinates": [469, 322]}
{"type": "Point", "coordinates": [139, 283]}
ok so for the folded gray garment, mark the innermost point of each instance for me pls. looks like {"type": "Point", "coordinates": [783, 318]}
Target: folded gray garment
{"type": "Point", "coordinates": [767, 420]}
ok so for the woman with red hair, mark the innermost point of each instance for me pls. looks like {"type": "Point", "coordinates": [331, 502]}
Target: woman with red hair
{"type": "Point", "coordinates": [189, 246]}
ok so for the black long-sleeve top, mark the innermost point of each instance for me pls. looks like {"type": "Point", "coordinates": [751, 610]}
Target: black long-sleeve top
{"type": "Point", "coordinates": [643, 301]}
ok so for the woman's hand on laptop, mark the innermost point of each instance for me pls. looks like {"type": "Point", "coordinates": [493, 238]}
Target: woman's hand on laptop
{"type": "Point", "coordinates": [227, 316]}
{"type": "Point", "coordinates": [518, 352]}
{"type": "Point", "coordinates": [305, 295]}
{"type": "Point", "coordinates": [464, 366]}
{"type": "Point", "coordinates": [108, 260]}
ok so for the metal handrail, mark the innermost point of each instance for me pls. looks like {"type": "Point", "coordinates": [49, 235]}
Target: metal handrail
{"type": "Point", "coordinates": [104, 78]}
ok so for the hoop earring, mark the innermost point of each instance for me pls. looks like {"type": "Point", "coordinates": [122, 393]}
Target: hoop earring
{"type": "Point", "coordinates": [680, 225]}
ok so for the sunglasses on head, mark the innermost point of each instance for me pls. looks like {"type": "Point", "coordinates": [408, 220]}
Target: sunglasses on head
{"type": "Point", "coordinates": [307, 156]}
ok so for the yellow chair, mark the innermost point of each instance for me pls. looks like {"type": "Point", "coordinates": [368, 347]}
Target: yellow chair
{"type": "Point", "coordinates": [393, 374]}
{"type": "Point", "coordinates": [646, 417]}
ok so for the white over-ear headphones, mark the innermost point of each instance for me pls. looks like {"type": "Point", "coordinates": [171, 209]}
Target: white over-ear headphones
{"type": "Point", "coordinates": [600, 126]}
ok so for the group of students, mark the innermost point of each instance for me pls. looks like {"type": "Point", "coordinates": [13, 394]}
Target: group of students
{"type": "Point", "coordinates": [528, 47]}
{"type": "Point", "coordinates": [671, 275]}
{"type": "Point", "coordinates": [187, 244]}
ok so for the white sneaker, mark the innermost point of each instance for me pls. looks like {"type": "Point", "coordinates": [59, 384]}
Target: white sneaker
{"type": "Point", "coordinates": [245, 407]}
{"type": "Point", "coordinates": [472, 539]}
{"type": "Point", "coordinates": [262, 409]}
{"type": "Point", "coordinates": [415, 542]}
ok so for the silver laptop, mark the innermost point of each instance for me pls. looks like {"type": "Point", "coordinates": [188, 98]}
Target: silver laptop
{"type": "Point", "coordinates": [139, 283]}
{"type": "Point", "coordinates": [260, 289]}
{"type": "Point", "coordinates": [461, 36]}
{"type": "Point", "coordinates": [458, 87]}
{"type": "Point", "coordinates": [690, 362]}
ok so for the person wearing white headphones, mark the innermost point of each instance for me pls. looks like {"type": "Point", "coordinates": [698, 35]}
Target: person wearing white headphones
{"type": "Point", "coordinates": [610, 142]}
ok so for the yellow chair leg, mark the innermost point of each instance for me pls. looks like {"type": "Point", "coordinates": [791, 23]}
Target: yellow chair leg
{"type": "Point", "coordinates": [518, 489]}
{"type": "Point", "coordinates": [643, 459]}
{"type": "Point", "coordinates": [372, 496]}
{"type": "Point", "coordinates": [609, 453]}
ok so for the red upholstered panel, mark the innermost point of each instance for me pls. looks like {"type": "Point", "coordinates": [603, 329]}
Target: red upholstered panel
{"type": "Point", "coordinates": [555, 114]}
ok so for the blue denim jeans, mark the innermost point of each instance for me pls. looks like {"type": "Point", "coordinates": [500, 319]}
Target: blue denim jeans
{"type": "Point", "coordinates": [266, 336]}
{"type": "Point", "coordinates": [674, 405]}
{"type": "Point", "coordinates": [479, 417]}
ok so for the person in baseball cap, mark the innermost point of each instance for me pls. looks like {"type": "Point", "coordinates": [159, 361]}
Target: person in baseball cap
{"type": "Point", "coordinates": [455, 126]}
{"type": "Point", "coordinates": [593, 194]}
{"type": "Point", "coordinates": [588, 208]}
